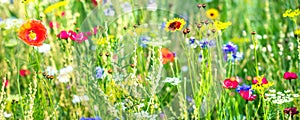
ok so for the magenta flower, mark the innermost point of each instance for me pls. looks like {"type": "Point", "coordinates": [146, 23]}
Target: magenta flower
{"type": "Point", "coordinates": [63, 35]}
{"type": "Point", "coordinates": [290, 75]}
{"type": "Point", "coordinates": [230, 84]}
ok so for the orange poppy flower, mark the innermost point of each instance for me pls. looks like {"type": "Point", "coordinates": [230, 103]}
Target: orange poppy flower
{"type": "Point", "coordinates": [33, 32]}
{"type": "Point", "coordinates": [167, 56]}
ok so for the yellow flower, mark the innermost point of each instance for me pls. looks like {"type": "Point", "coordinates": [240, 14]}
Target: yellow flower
{"type": "Point", "coordinates": [222, 25]}
{"type": "Point", "coordinates": [104, 40]}
{"type": "Point", "coordinates": [54, 6]}
{"type": "Point", "coordinates": [297, 32]}
{"type": "Point", "coordinates": [115, 92]}
{"type": "Point", "coordinates": [261, 86]}
{"type": "Point", "coordinates": [212, 13]}
{"type": "Point", "coordinates": [238, 40]}
{"type": "Point", "coordinates": [175, 24]}
{"type": "Point", "coordinates": [291, 14]}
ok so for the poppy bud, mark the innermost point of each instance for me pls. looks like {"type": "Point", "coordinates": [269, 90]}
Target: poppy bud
{"type": "Point", "coordinates": [199, 5]}
{"type": "Point", "coordinates": [213, 30]}
{"type": "Point", "coordinates": [199, 26]}
{"type": "Point", "coordinates": [132, 65]}
{"type": "Point", "coordinates": [203, 5]}
{"type": "Point", "coordinates": [110, 71]}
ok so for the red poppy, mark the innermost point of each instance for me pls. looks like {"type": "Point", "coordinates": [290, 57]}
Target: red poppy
{"type": "Point", "coordinates": [167, 56]}
{"type": "Point", "coordinates": [33, 32]}
{"type": "Point", "coordinates": [24, 72]}
{"type": "Point", "coordinates": [264, 81]}
{"type": "Point", "coordinates": [290, 75]}
{"type": "Point", "coordinates": [247, 95]}
{"type": "Point", "coordinates": [230, 84]}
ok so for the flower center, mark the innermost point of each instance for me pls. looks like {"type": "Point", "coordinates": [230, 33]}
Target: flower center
{"type": "Point", "coordinates": [32, 35]}
{"type": "Point", "coordinates": [212, 14]}
{"type": "Point", "coordinates": [174, 25]}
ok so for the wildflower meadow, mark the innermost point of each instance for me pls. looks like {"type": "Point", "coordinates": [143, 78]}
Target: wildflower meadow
{"type": "Point", "coordinates": [149, 59]}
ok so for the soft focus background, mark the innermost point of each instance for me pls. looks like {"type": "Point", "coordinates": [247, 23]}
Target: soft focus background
{"type": "Point", "coordinates": [119, 59]}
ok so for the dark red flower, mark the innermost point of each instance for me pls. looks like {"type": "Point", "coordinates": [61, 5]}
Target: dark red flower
{"type": "Point", "coordinates": [290, 75]}
{"type": "Point", "coordinates": [291, 111]}
{"type": "Point", "coordinates": [230, 84]}
{"type": "Point", "coordinates": [24, 72]}
{"type": "Point", "coordinates": [33, 32]}
{"type": "Point", "coordinates": [94, 2]}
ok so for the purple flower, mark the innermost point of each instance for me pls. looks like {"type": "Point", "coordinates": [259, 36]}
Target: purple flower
{"type": "Point", "coordinates": [243, 87]}
{"type": "Point", "coordinates": [230, 48]}
{"type": "Point", "coordinates": [144, 39]}
{"type": "Point", "coordinates": [163, 25]}
{"type": "Point", "coordinates": [192, 40]}
{"type": "Point", "coordinates": [96, 118]}
{"type": "Point", "coordinates": [99, 72]}
{"type": "Point", "coordinates": [189, 99]}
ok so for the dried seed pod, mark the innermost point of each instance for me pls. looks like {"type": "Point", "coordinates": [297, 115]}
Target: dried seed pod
{"type": "Point", "coordinates": [204, 5]}
{"type": "Point", "coordinates": [199, 25]}
{"type": "Point", "coordinates": [213, 30]}
{"type": "Point", "coordinates": [107, 54]}
{"type": "Point", "coordinates": [132, 65]}
{"type": "Point", "coordinates": [253, 32]}
{"type": "Point", "coordinates": [110, 71]}
{"type": "Point", "coordinates": [199, 5]}
{"type": "Point", "coordinates": [101, 54]}
{"type": "Point", "coordinates": [186, 31]}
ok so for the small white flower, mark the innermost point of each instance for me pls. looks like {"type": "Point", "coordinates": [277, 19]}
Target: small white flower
{"type": "Point", "coordinates": [280, 53]}
{"type": "Point", "coordinates": [272, 90]}
{"type": "Point", "coordinates": [50, 70]}
{"type": "Point", "coordinates": [7, 115]}
{"type": "Point", "coordinates": [244, 33]}
{"type": "Point", "coordinates": [66, 70]}
{"type": "Point", "coordinates": [265, 36]}
{"type": "Point", "coordinates": [63, 78]}
{"type": "Point", "coordinates": [172, 81]}
{"type": "Point", "coordinates": [245, 70]}
{"type": "Point", "coordinates": [269, 47]}
{"type": "Point", "coordinates": [45, 48]}
{"type": "Point", "coordinates": [184, 68]}
{"type": "Point", "coordinates": [288, 57]}
{"type": "Point", "coordinates": [264, 49]}
{"type": "Point", "coordinates": [152, 6]}
{"type": "Point", "coordinates": [258, 36]}
{"type": "Point", "coordinates": [75, 99]}
{"type": "Point", "coordinates": [287, 91]}
{"type": "Point", "coordinates": [295, 95]}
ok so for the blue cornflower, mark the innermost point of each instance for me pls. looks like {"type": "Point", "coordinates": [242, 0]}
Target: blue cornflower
{"type": "Point", "coordinates": [189, 99]}
{"type": "Point", "coordinates": [144, 39]}
{"type": "Point", "coordinates": [237, 56]}
{"type": "Point", "coordinates": [230, 48]}
{"type": "Point", "coordinates": [99, 72]}
{"type": "Point", "coordinates": [243, 87]}
{"type": "Point", "coordinates": [163, 25]}
{"type": "Point", "coordinates": [192, 40]}
{"type": "Point", "coordinates": [96, 118]}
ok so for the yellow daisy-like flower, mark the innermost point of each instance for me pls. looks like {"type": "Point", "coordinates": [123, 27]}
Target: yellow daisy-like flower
{"type": "Point", "coordinates": [55, 6]}
{"type": "Point", "coordinates": [291, 13]}
{"type": "Point", "coordinates": [297, 32]}
{"type": "Point", "coordinates": [104, 40]}
{"type": "Point", "coordinates": [175, 24]}
{"type": "Point", "coordinates": [222, 25]}
{"type": "Point", "coordinates": [262, 85]}
{"type": "Point", "coordinates": [212, 13]}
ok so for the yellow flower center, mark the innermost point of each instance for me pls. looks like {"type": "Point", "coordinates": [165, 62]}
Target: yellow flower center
{"type": "Point", "coordinates": [32, 35]}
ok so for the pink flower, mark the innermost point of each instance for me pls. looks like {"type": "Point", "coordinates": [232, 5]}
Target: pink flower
{"type": "Point", "coordinates": [88, 33]}
{"type": "Point", "coordinates": [290, 75]}
{"type": "Point", "coordinates": [264, 81]}
{"type": "Point", "coordinates": [5, 82]}
{"type": "Point", "coordinates": [53, 24]}
{"type": "Point", "coordinates": [80, 37]}
{"type": "Point", "coordinates": [63, 35]}
{"type": "Point", "coordinates": [95, 30]}
{"type": "Point", "coordinates": [247, 95]}
{"type": "Point", "coordinates": [24, 72]}
{"type": "Point", "coordinates": [72, 35]}
{"type": "Point", "coordinates": [230, 84]}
